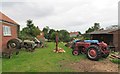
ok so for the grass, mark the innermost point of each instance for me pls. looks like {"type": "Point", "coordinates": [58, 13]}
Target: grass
{"type": "Point", "coordinates": [42, 60]}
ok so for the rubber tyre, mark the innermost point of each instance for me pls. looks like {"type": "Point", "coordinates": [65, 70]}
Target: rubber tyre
{"type": "Point", "coordinates": [75, 52]}
{"type": "Point", "coordinates": [16, 43]}
{"type": "Point", "coordinates": [96, 50]}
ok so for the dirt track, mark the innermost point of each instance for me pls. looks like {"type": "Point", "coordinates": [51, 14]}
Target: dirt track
{"type": "Point", "coordinates": [86, 65]}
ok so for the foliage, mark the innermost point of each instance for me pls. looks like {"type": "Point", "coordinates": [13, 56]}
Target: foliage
{"type": "Point", "coordinates": [50, 34]}
{"type": "Point", "coordinates": [46, 31]}
{"type": "Point", "coordinates": [79, 32]}
{"type": "Point", "coordinates": [86, 37]}
{"type": "Point", "coordinates": [96, 26]}
{"type": "Point", "coordinates": [93, 28]}
{"type": "Point", "coordinates": [64, 35]}
{"type": "Point", "coordinates": [29, 31]}
{"type": "Point", "coordinates": [117, 61]}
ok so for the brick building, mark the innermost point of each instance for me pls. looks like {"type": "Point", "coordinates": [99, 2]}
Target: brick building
{"type": "Point", "coordinates": [8, 29]}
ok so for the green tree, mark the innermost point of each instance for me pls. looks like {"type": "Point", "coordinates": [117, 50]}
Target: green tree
{"type": "Point", "coordinates": [96, 26]}
{"type": "Point", "coordinates": [46, 31]}
{"type": "Point", "coordinates": [29, 31]}
{"type": "Point", "coordinates": [50, 34]}
{"type": "Point", "coordinates": [64, 35]}
{"type": "Point", "coordinates": [93, 28]}
{"type": "Point", "coordinates": [79, 32]}
{"type": "Point", "coordinates": [53, 36]}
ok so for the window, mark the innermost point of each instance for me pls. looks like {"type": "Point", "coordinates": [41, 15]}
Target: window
{"type": "Point", "coordinates": [6, 31]}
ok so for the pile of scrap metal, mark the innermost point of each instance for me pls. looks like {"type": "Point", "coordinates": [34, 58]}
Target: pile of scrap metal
{"type": "Point", "coordinates": [114, 55]}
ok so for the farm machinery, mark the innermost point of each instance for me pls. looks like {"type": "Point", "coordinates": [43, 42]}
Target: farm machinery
{"type": "Point", "coordinates": [18, 44]}
{"type": "Point", "coordinates": [14, 45]}
{"type": "Point", "coordinates": [92, 48]}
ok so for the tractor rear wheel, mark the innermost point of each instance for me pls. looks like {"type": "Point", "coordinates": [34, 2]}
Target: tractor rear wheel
{"type": "Point", "coordinates": [93, 53]}
{"type": "Point", "coordinates": [13, 43]}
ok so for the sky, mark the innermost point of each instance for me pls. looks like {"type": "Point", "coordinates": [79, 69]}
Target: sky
{"type": "Point", "coordinates": [71, 15]}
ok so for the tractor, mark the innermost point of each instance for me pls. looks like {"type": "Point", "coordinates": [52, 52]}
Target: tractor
{"type": "Point", "coordinates": [14, 45]}
{"type": "Point", "coordinates": [18, 44]}
{"type": "Point", "coordinates": [92, 48]}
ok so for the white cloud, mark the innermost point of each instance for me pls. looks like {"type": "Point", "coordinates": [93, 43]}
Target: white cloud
{"type": "Point", "coordinates": [73, 15]}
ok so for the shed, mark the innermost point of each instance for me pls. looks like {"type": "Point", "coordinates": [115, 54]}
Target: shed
{"type": "Point", "coordinates": [8, 29]}
{"type": "Point", "coordinates": [110, 36]}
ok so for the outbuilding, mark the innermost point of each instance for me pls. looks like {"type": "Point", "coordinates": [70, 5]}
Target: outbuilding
{"type": "Point", "coordinates": [110, 36]}
{"type": "Point", "coordinates": [8, 30]}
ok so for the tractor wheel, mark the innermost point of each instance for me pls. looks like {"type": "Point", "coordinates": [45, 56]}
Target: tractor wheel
{"type": "Point", "coordinates": [93, 53]}
{"type": "Point", "coordinates": [75, 52]}
{"type": "Point", "coordinates": [13, 43]}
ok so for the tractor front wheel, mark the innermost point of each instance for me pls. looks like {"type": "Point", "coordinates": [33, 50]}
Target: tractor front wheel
{"type": "Point", "coordinates": [93, 53]}
{"type": "Point", "coordinates": [75, 52]}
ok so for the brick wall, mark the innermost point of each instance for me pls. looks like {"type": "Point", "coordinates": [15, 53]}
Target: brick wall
{"type": "Point", "coordinates": [5, 39]}
{"type": "Point", "coordinates": [116, 40]}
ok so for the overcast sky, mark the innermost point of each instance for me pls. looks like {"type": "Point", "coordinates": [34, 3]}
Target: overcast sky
{"type": "Point", "coordinates": [72, 15]}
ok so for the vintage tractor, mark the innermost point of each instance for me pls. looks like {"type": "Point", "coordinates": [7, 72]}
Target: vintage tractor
{"type": "Point", "coordinates": [14, 45]}
{"type": "Point", "coordinates": [18, 44]}
{"type": "Point", "coordinates": [92, 48]}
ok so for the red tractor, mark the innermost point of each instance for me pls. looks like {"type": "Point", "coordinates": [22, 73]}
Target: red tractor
{"type": "Point", "coordinates": [92, 48]}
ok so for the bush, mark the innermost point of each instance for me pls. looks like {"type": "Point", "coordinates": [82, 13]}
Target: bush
{"type": "Point", "coordinates": [117, 61]}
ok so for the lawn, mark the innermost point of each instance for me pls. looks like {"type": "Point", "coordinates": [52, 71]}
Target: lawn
{"type": "Point", "coordinates": [42, 60]}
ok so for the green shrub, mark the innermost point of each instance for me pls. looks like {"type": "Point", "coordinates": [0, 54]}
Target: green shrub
{"type": "Point", "coordinates": [117, 61]}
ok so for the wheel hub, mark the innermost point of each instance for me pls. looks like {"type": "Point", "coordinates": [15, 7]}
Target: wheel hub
{"type": "Point", "coordinates": [75, 52]}
{"type": "Point", "coordinates": [13, 45]}
{"type": "Point", "coordinates": [92, 53]}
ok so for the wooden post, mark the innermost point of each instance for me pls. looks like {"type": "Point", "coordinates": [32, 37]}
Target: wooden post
{"type": "Point", "coordinates": [56, 40]}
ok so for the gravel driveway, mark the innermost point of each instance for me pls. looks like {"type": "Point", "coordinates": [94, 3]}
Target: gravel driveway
{"type": "Point", "coordinates": [86, 65]}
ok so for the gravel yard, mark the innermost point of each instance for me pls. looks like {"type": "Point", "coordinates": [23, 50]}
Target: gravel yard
{"type": "Point", "coordinates": [87, 65]}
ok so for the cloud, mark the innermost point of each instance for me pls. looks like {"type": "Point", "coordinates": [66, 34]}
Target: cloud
{"type": "Point", "coordinates": [27, 10]}
{"type": "Point", "coordinates": [73, 15]}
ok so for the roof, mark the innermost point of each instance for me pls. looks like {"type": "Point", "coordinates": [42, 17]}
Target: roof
{"type": "Point", "coordinates": [41, 35]}
{"type": "Point", "coordinates": [103, 31]}
{"type": "Point", "coordinates": [5, 18]}
{"type": "Point", "coordinates": [74, 33]}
